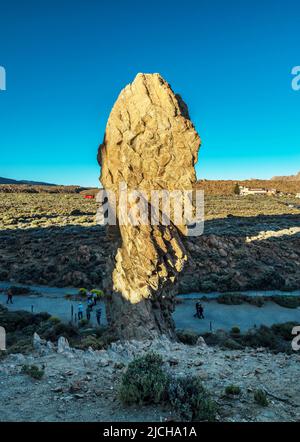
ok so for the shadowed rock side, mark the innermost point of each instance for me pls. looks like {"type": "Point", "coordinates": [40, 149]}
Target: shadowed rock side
{"type": "Point", "coordinates": [149, 143]}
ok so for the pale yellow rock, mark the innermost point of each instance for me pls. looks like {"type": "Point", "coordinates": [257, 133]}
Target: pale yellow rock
{"type": "Point", "coordinates": [149, 143]}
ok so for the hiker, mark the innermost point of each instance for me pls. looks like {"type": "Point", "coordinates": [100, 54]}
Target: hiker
{"type": "Point", "coordinates": [197, 310]}
{"type": "Point", "coordinates": [95, 298]}
{"type": "Point", "coordinates": [98, 315]}
{"type": "Point", "coordinates": [9, 297]}
{"type": "Point", "coordinates": [89, 296]}
{"type": "Point", "coordinates": [200, 310]}
{"type": "Point", "coordinates": [88, 313]}
{"type": "Point", "coordinates": [80, 311]}
{"type": "Point", "coordinates": [90, 304]}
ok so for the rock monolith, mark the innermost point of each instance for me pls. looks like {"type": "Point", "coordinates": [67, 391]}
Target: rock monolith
{"type": "Point", "coordinates": [150, 144]}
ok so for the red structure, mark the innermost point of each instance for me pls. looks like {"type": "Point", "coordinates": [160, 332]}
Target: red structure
{"type": "Point", "coordinates": [89, 197]}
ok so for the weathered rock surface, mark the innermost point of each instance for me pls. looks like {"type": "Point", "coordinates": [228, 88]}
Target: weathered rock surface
{"type": "Point", "coordinates": [150, 143]}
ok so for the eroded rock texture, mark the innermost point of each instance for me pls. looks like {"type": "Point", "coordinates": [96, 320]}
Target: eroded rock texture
{"type": "Point", "coordinates": [149, 143]}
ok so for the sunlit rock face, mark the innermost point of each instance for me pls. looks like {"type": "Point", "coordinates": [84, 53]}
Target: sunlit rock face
{"type": "Point", "coordinates": [149, 143]}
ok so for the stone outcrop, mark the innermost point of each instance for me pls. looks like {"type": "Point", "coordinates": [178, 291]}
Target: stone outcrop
{"type": "Point", "coordinates": [150, 143]}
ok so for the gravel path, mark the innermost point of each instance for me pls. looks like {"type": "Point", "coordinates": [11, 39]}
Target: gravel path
{"type": "Point", "coordinates": [217, 316]}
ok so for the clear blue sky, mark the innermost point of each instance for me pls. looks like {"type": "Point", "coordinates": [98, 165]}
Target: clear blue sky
{"type": "Point", "coordinates": [67, 60]}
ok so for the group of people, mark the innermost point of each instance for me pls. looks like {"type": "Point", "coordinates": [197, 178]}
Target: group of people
{"type": "Point", "coordinates": [199, 311]}
{"type": "Point", "coordinates": [91, 303]}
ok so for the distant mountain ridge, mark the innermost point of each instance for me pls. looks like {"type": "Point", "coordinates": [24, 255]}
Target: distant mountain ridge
{"type": "Point", "coordinates": [287, 178]}
{"type": "Point", "coordinates": [30, 183]}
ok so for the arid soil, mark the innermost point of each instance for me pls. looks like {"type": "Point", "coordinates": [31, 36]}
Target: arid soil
{"type": "Point", "coordinates": [82, 385]}
{"type": "Point", "coordinates": [248, 243]}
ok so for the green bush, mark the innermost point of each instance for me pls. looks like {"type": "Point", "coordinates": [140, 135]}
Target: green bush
{"type": "Point", "coordinates": [258, 301]}
{"type": "Point", "coordinates": [82, 291]}
{"type": "Point", "coordinates": [90, 341]}
{"type": "Point", "coordinates": [284, 330]}
{"type": "Point", "coordinates": [190, 400]}
{"type": "Point", "coordinates": [144, 381]}
{"type": "Point", "coordinates": [232, 390]}
{"type": "Point", "coordinates": [287, 301]}
{"type": "Point", "coordinates": [230, 299]}
{"type": "Point", "coordinates": [54, 319]}
{"type": "Point", "coordinates": [33, 371]}
{"type": "Point", "coordinates": [188, 337]}
{"type": "Point", "coordinates": [260, 398]}
{"type": "Point", "coordinates": [235, 330]}
{"type": "Point", "coordinates": [23, 346]}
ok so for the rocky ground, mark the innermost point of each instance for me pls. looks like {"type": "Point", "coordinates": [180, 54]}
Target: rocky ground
{"type": "Point", "coordinates": [52, 239]}
{"type": "Point", "coordinates": [82, 385]}
{"type": "Point", "coordinates": [248, 243]}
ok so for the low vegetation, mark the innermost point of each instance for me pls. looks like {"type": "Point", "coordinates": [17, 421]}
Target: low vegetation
{"type": "Point", "coordinates": [33, 371]}
{"type": "Point", "coordinates": [21, 325]}
{"type": "Point", "coordinates": [190, 400]}
{"type": "Point", "coordinates": [276, 338]}
{"type": "Point", "coordinates": [146, 382]}
{"type": "Point", "coordinates": [232, 390]}
{"type": "Point", "coordinates": [237, 298]}
{"type": "Point", "coordinates": [260, 398]}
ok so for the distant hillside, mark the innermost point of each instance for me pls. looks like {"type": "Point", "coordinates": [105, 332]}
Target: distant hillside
{"type": "Point", "coordinates": [226, 187]}
{"type": "Point", "coordinates": [29, 188]}
{"type": "Point", "coordinates": [30, 183]}
{"type": "Point", "coordinates": [287, 178]}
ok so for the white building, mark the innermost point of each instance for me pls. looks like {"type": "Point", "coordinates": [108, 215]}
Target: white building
{"type": "Point", "coordinates": [248, 191]}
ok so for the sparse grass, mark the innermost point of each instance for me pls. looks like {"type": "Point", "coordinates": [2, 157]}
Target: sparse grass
{"type": "Point", "coordinates": [260, 398]}
{"type": "Point", "coordinates": [232, 390]}
{"type": "Point", "coordinates": [59, 209]}
{"type": "Point", "coordinates": [33, 371]}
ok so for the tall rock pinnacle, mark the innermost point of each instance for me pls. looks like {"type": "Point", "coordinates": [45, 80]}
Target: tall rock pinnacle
{"type": "Point", "coordinates": [149, 143]}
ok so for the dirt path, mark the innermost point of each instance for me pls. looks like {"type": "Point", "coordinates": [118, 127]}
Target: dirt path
{"type": "Point", "coordinates": [217, 316]}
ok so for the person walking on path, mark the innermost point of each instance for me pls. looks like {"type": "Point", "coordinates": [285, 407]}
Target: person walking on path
{"type": "Point", "coordinates": [95, 298]}
{"type": "Point", "coordinates": [98, 315]}
{"type": "Point", "coordinates": [200, 310]}
{"type": "Point", "coordinates": [197, 310]}
{"type": "Point", "coordinates": [90, 304]}
{"type": "Point", "coordinates": [9, 297]}
{"type": "Point", "coordinates": [88, 313]}
{"type": "Point", "coordinates": [80, 312]}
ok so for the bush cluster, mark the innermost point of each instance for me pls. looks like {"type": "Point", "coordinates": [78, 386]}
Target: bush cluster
{"type": "Point", "coordinates": [260, 398]}
{"type": "Point", "coordinates": [33, 371]}
{"type": "Point", "coordinates": [145, 381]}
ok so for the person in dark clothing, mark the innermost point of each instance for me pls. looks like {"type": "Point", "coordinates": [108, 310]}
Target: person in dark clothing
{"type": "Point", "coordinates": [9, 297]}
{"type": "Point", "coordinates": [88, 313]}
{"type": "Point", "coordinates": [200, 311]}
{"type": "Point", "coordinates": [80, 312]}
{"type": "Point", "coordinates": [196, 307]}
{"type": "Point", "coordinates": [98, 315]}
